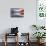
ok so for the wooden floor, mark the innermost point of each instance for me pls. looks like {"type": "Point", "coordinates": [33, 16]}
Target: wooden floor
{"type": "Point", "coordinates": [13, 44]}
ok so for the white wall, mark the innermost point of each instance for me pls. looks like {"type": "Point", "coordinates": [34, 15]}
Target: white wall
{"type": "Point", "coordinates": [24, 23]}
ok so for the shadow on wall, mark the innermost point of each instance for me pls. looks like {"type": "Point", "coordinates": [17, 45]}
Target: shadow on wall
{"type": "Point", "coordinates": [7, 31]}
{"type": "Point", "coordinates": [2, 34]}
{"type": "Point", "coordinates": [32, 30]}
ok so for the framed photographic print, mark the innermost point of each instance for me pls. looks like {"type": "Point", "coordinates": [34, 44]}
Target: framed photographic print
{"type": "Point", "coordinates": [41, 12]}
{"type": "Point", "coordinates": [41, 8]}
{"type": "Point", "coordinates": [17, 12]}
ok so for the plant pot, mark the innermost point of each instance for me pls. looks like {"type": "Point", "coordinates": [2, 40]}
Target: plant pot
{"type": "Point", "coordinates": [40, 41]}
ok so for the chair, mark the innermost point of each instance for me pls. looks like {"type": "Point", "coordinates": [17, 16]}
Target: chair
{"type": "Point", "coordinates": [7, 34]}
{"type": "Point", "coordinates": [14, 32]}
{"type": "Point", "coordinates": [25, 43]}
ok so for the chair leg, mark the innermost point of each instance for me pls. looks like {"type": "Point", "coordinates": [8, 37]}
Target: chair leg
{"type": "Point", "coordinates": [17, 39]}
{"type": "Point", "coordinates": [5, 40]}
{"type": "Point", "coordinates": [5, 43]}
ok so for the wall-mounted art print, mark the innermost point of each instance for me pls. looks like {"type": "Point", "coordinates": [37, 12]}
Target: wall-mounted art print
{"type": "Point", "coordinates": [41, 12]}
{"type": "Point", "coordinates": [17, 12]}
{"type": "Point", "coordinates": [41, 8]}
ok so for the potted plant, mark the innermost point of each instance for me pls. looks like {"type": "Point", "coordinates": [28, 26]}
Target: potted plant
{"type": "Point", "coordinates": [42, 27]}
{"type": "Point", "coordinates": [35, 26]}
{"type": "Point", "coordinates": [38, 27]}
{"type": "Point", "coordinates": [39, 35]}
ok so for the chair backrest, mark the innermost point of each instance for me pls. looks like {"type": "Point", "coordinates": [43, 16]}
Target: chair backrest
{"type": "Point", "coordinates": [14, 30]}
